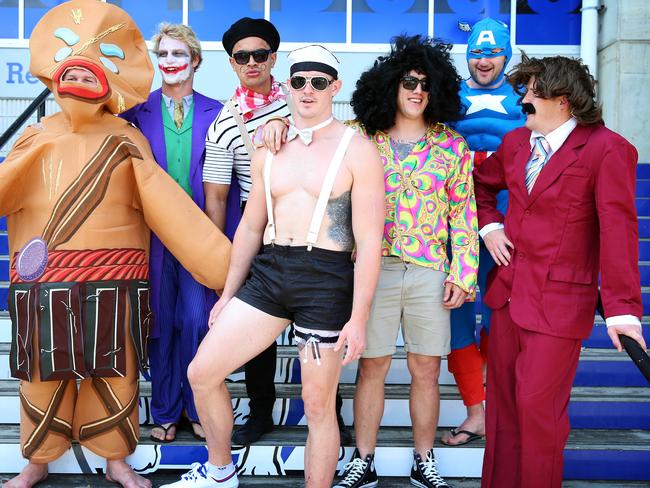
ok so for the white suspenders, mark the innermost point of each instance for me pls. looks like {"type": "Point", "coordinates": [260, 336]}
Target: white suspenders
{"type": "Point", "coordinates": [325, 191]}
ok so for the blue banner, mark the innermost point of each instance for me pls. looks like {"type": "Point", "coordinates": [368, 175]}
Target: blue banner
{"type": "Point", "coordinates": [8, 19]}
{"type": "Point", "coordinates": [448, 15]}
{"type": "Point", "coordinates": [151, 13]}
{"type": "Point", "coordinates": [377, 21]}
{"type": "Point", "coordinates": [34, 10]}
{"type": "Point", "coordinates": [210, 19]}
{"type": "Point", "coordinates": [314, 21]}
{"type": "Point", "coordinates": [548, 22]}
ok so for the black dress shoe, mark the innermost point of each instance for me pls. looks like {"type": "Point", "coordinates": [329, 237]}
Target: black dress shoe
{"type": "Point", "coordinates": [344, 432]}
{"type": "Point", "coordinates": [254, 428]}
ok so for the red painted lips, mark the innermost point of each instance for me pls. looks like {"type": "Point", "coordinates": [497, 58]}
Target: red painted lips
{"type": "Point", "coordinates": [74, 89]}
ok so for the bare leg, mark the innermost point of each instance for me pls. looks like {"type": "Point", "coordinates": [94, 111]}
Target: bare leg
{"type": "Point", "coordinates": [319, 384]}
{"type": "Point", "coordinates": [239, 334]}
{"type": "Point", "coordinates": [369, 402]}
{"type": "Point", "coordinates": [475, 422]}
{"type": "Point", "coordinates": [117, 471]}
{"type": "Point", "coordinates": [424, 401]}
{"type": "Point", "coordinates": [28, 477]}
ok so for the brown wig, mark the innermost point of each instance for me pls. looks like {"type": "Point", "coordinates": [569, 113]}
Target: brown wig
{"type": "Point", "coordinates": [560, 76]}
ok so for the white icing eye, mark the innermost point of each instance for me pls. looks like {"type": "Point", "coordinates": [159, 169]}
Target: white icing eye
{"type": "Point", "coordinates": [62, 53]}
{"type": "Point", "coordinates": [66, 35]}
{"type": "Point", "coordinates": [109, 64]}
{"type": "Point", "coordinates": [111, 50]}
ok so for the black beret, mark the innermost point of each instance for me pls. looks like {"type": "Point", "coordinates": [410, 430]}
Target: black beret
{"type": "Point", "coordinates": [247, 27]}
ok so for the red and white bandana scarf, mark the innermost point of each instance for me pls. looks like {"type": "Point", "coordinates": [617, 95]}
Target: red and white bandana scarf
{"type": "Point", "coordinates": [249, 101]}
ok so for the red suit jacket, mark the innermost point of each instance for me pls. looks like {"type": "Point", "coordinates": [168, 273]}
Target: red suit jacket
{"type": "Point", "coordinates": [579, 220]}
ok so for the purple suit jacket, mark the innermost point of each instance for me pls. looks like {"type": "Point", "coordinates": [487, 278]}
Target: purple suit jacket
{"type": "Point", "coordinates": [148, 118]}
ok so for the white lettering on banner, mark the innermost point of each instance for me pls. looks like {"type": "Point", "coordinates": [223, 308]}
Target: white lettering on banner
{"type": "Point", "coordinates": [17, 74]}
{"type": "Point", "coordinates": [486, 36]}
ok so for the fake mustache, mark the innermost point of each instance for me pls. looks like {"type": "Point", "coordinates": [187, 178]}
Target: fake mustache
{"type": "Point", "coordinates": [528, 108]}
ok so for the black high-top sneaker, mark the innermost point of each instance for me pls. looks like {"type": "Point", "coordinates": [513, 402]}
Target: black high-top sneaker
{"type": "Point", "coordinates": [359, 473]}
{"type": "Point", "coordinates": [424, 473]}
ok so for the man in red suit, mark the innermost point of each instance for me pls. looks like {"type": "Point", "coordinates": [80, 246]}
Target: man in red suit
{"type": "Point", "coordinates": [571, 216]}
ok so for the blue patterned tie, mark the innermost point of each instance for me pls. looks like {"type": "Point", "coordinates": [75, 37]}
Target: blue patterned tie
{"type": "Point", "coordinates": [537, 161]}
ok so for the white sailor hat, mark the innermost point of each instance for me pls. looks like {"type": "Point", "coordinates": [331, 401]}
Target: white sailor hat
{"type": "Point", "coordinates": [313, 58]}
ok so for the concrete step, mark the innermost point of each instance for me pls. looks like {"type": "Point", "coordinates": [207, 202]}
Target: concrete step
{"type": "Point", "coordinates": [644, 227]}
{"type": "Point", "coordinates": [643, 187]}
{"type": "Point", "coordinates": [597, 367]}
{"type": "Point", "coordinates": [589, 455]}
{"type": "Point", "coordinates": [643, 170]}
{"type": "Point", "coordinates": [590, 407]}
{"type": "Point", "coordinates": [9, 388]}
{"type": "Point", "coordinates": [598, 338]}
{"type": "Point", "coordinates": [161, 478]}
{"type": "Point", "coordinates": [643, 205]}
{"type": "Point", "coordinates": [644, 249]}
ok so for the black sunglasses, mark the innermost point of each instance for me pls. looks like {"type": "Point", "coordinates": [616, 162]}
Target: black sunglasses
{"type": "Point", "coordinates": [318, 83]}
{"type": "Point", "coordinates": [411, 82]}
{"type": "Point", "coordinates": [259, 55]}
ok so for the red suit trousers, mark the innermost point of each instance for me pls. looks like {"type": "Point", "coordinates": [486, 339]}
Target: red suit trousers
{"type": "Point", "coordinates": [528, 388]}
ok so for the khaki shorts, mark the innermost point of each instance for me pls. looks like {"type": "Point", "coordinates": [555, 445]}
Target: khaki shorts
{"type": "Point", "coordinates": [409, 295]}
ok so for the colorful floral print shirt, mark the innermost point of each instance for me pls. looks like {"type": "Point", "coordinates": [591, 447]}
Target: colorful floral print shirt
{"type": "Point", "coordinates": [430, 200]}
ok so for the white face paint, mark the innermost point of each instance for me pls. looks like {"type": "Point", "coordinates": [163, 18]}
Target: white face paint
{"type": "Point", "coordinates": [174, 61]}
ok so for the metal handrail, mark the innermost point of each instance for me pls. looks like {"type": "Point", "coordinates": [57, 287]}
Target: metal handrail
{"type": "Point", "coordinates": [37, 104]}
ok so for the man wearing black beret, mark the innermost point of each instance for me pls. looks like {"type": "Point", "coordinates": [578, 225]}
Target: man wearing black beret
{"type": "Point", "coordinates": [252, 45]}
{"type": "Point", "coordinates": [247, 27]}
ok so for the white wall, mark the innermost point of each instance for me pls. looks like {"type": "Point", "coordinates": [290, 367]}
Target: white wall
{"type": "Point", "coordinates": [624, 71]}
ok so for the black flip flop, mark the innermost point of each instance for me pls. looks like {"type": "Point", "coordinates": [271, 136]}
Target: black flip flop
{"type": "Point", "coordinates": [188, 425]}
{"type": "Point", "coordinates": [471, 436]}
{"type": "Point", "coordinates": [194, 434]}
{"type": "Point", "coordinates": [165, 429]}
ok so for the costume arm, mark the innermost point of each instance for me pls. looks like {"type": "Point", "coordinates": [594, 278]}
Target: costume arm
{"type": "Point", "coordinates": [462, 222]}
{"type": "Point", "coordinates": [368, 216]}
{"type": "Point", "coordinates": [13, 171]}
{"type": "Point", "coordinates": [250, 231]}
{"type": "Point", "coordinates": [620, 286]}
{"type": "Point", "coordinates": [489, 179]}
{"type": "Point", "coordinates": [181, 226]}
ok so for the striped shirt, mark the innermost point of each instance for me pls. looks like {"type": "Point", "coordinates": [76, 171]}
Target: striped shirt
{"type": "Point", "coordinates": [225, 149]}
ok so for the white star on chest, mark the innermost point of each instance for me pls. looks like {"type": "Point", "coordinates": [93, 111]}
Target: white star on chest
{"type": "Point", "coordinates": [486, 102]}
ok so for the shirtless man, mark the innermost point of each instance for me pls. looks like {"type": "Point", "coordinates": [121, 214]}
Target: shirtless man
{"type": "Point", "coordinates": [300, 276]}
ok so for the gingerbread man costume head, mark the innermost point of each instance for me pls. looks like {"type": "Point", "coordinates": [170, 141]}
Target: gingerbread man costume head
{"type": "Point", "coordinates": [100, 38]}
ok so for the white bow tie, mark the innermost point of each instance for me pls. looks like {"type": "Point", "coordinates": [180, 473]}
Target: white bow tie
{"type": "Point", "coordinates": [307, 133]}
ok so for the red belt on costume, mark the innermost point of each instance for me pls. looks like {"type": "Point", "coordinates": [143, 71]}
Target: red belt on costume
{"type": "Point", "coordinates": [79, 306]}
{"type": "Point", "coordinates": [479, 156]}
{"type": "Point", "coordinates": [91, 265]}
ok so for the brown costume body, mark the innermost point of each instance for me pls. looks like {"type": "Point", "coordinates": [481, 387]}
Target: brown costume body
{"type": "Point", "coordinates": [86, 182]}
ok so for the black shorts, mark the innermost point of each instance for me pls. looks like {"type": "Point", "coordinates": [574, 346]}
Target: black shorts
{"type": "Point", "coordinates": [313, 288]}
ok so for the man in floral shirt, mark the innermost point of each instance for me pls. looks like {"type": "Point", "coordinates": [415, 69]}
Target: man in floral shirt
{"type": "Point", "coordinates": [429, 201]}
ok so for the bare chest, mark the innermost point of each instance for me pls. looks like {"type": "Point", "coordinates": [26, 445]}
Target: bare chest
{"type": "Point", "coordinates": [303, 169]}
